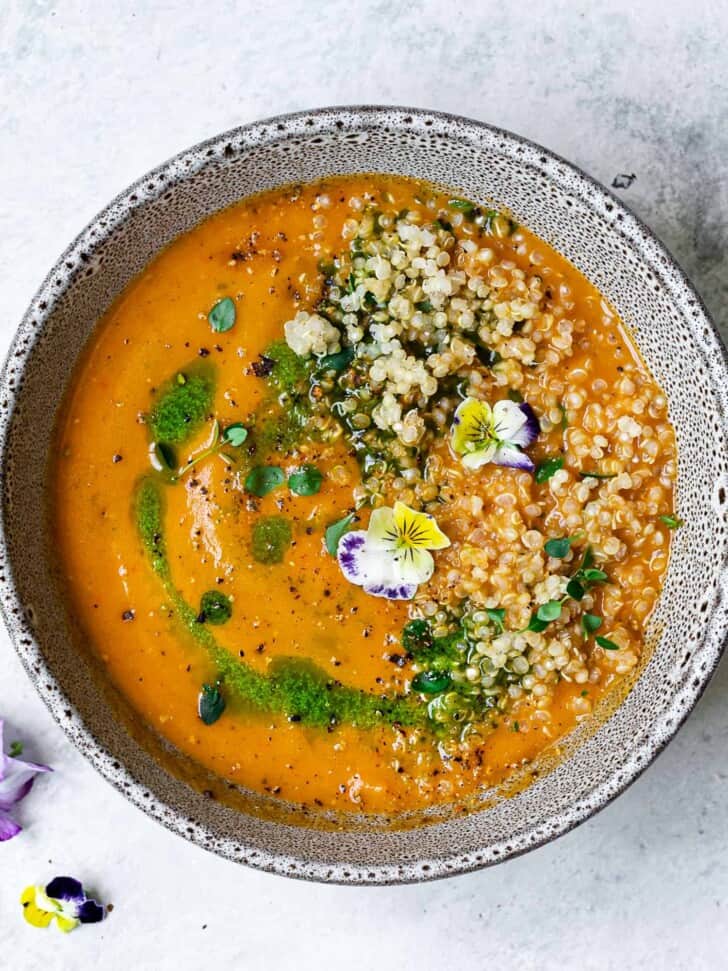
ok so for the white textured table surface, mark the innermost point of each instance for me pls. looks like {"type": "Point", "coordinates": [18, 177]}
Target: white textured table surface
{"type": "Point", "coordinates": [91, 96]}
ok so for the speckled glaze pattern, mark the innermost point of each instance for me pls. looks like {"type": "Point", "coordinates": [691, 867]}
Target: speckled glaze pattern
{"type": "Point", "coordinates": [609, 245]}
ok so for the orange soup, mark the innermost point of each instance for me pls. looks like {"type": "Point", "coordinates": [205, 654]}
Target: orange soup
{"type": "Point", "coordinates": [363, 495]}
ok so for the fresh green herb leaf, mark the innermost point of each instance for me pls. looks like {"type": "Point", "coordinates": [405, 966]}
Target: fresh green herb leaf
{"type": "Point", "coordinates": [514, 395]}
{"type": "Point", "coordinates": [211, 448]}
{"type": "Point", "coordinates": [549, 611]}
{"type": "Point", "coordinates": [461, 205]}
{"type": "Point", "coordinates": [606, 643]}
{"type": "Point", "coordinates": [575, 589]}
{"type": "Point", "coordinates": [584, 693]}
{"type": "Point", "coordinates": [369, 301]}
{"type": "Point", "coordinates": [672, 522]}
{"type": "Point", "coordinates": [163, 457]}
{"type": "Point", "coordinates": [498, 616]}
{"type": "Point", "coordinates": [215, 608]}
{"type": "Point", "coordinates": [545, 469]}
{"type": "Point", "coordinates": [235, 434]}
{"type": "Point", "coordinates": [598, 475]}
{"type": "Point", "coordinates": [537, 625]}
{"type": "Point", "coordinates": [587, 559]}
{"type": "Point", "coordinates": [264, 479]}
{"type": "Point", "coordinates": [337, 362]}
{"type": "Point", "coordinates": [222, 315]}
{"type": "Point", "coordinates": [430, 682]}
{"type": "Point", "coordinates": [271, 536]}
{"type": "Point", "coordinates": [590, 623]}
{"type": "Point", "coordinates": [487, 355]}
{"type": "Point", "coordinates": [559, 548]}
{"type": "Point", "coordinates": [425, 306]}
{"type": "Point", "coordinates": [335, 531]}
{"type": "Point", "coordinates": [210, 703]}
{"type": "Point", "coordinates": [15, 750]}
{"type": "Point", "coordinates": [306, 481]}
{"type": "Point", "coordinates": [593, 576]}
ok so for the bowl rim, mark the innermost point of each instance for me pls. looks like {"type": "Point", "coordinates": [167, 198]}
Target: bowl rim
{"type": "Point", "coordinates": [30, 331]}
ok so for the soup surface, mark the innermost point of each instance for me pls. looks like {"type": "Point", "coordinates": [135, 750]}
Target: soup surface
{"type": "Point", "coordinates": [363, 496]}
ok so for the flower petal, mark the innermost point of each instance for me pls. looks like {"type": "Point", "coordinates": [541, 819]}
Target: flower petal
{"type": "Point", "coordinates": [414, 565]}
{"type": "Point", "coordinates": [8, 827]}
{"type": "Point", "coordinates": [530, 430]}
{"type": "Point", "coordinates": [472, 426]}
{"type": "Point", "coordinates": [392, 590]}
{"type": "Point", "coordinates": [512, 457]}
{"type": "Point", "coordinates": [67, 924]}
{"type": "Point", "coordinates": [364, 567]}
{"type": "Point", "coordinates": [476, 460]}
{"type": "Point", "coordinates": [34, 914]}
{"type": "Point", "coordinates": [508, 420]}
{"type": "Point", "coordinates": [382, 531]}
{"type": "Point", "coordinates": [418, 530]}
{"type": "Point", "coordinates": [66, 888]}
{"type": "Point", "coordinates": [350, 555]}
{"type": "Point", "coordinates": [91, 912]}
{"type": "Point", "coordinates": [16, 780]}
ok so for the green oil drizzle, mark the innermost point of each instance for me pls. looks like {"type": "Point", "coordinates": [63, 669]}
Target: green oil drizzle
{"type": "Point", "coordinates": [295, 688]}
{"type": "Point", "coordinates": [284, 416]}
{"type": "Point", "coordinates": [290, 372]}
{"type": "Point", "coordinates": [270, 538]}
{"type": "Point", "coordinates": [182, 405]}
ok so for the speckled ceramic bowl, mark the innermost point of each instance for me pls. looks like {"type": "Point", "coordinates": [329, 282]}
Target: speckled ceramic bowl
{"type": "Point", "coordinates": [612, 248]}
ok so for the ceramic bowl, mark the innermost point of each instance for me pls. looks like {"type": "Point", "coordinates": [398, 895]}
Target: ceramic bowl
{"type": "Point", "coordinates": [612, 248]}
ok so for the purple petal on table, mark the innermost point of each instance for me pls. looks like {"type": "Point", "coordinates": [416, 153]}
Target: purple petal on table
{"type": "Point", "coordinates": [66, 888]}
{"type": "Point", "coordinates": [12, 792]}
{"type": "Point", "coordinates": [8, 827]}
{"type": "Point", "coordinates": [91, 912]}
{"type": "Point", "coordinates": [16, 779]}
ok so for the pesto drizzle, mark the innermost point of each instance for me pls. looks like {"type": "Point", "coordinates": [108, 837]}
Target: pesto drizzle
{"type": "Point", "coordinates": [182, 405]}
{"type": "Point", "coordinates": [296, 688]}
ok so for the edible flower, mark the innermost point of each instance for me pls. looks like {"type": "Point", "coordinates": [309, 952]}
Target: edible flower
{"type": "Point", "coordinates": [62, 900]}
{"type": "Point", "coordinates": [16, 781]}
{"type": "Point", "coordinates": [391, 559]}
{"type": "Point", "coordinates": [481, 434]}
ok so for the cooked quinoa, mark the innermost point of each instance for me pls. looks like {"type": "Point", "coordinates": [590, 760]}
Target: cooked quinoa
{"type": "Point", "coordinates": [434, 314]}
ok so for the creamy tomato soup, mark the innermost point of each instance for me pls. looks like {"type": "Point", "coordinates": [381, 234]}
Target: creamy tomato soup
{"type": "Point", "coordinates": [363, 495]}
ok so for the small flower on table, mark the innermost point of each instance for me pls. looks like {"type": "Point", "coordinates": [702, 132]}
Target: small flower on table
{"type": "Point", "coordinates": [16, 781]}
{"type": "Point", "coordinates": [63, 900]}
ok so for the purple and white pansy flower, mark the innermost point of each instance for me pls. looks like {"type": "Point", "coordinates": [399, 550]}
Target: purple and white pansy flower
{"type": "Point", "coordinates": [16, 781]}
{"type": "Point", "coordinates": [391, 557]}
{"type": "Point", "coordinates": [63, 900]}
{"type": "Point", "coordinates": [481, 434]}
